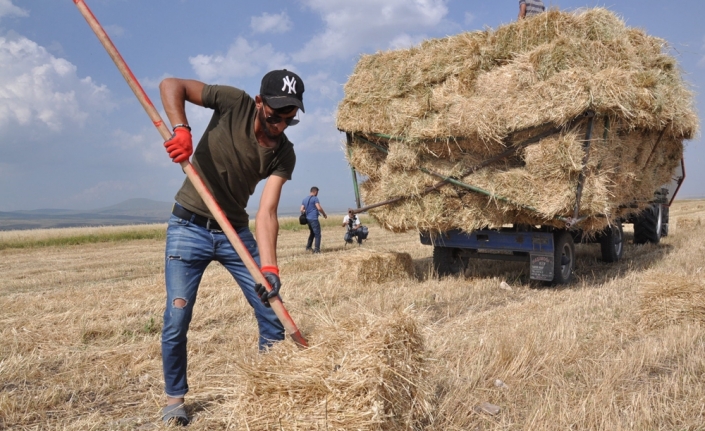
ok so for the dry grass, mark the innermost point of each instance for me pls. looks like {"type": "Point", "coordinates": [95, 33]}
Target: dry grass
{"type": "Point", "coordinates": [365, 266]}
{"type": "Point", "coordinates": [622, 348]}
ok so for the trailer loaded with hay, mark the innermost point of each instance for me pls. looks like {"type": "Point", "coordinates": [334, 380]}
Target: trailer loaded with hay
{"type": "Point", "coordinates": [514, 143]}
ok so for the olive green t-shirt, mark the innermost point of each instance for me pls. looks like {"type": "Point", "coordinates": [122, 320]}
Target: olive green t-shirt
{"type": "Point", "coordinates": [228, 157]}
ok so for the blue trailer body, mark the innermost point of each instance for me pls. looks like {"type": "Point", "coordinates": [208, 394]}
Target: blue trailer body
{"type": "Point", "coordinates": [493, 240]}
{"type": "Point", "coordinates": [549, 254]}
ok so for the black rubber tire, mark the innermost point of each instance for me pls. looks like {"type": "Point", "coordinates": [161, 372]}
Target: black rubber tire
{"type": "Point", "coordinates": [446, 262]}
{"type": "Point", "coordinates": [564, 257]}
{"type": "Point", "coordinates": [648, 225]}
{"type": "Point", "coordinates": [612, 242]}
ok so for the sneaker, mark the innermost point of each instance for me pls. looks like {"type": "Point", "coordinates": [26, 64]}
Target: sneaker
{"type": "Point", "coordinates": [309, 249]}
{"type": "Point", "coordinates": [316, 251]}
{"type": "Point", "coordinates": [175, 414]}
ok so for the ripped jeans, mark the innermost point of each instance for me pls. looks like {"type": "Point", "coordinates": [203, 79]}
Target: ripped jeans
{"type": "Point", "coordinates": [189, 250]}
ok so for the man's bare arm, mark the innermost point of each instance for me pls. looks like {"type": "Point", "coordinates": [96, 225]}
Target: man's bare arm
{"type": "Point", "coordinates": [320, 209]}
{"type": "Point", "coordinates": [266, 223]}
{"type": "Point", "coordinates": [522, 10]}
{"type": "Point", "coordinates": [175, 93]}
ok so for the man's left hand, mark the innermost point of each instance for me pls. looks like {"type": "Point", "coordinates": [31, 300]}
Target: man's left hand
{"type": "Point", "coordinates": [273, 280]}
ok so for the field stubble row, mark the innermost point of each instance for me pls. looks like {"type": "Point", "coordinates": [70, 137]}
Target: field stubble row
{"type": "Point", "coordinates": [620, 348]}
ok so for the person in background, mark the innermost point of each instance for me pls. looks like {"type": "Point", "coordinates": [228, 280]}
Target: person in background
{"type": "Point", "coordinates": [529, 8]}
{"type": "Point", "coordinates": [351, 223]}
{"type": "Point", "coordinates": [243, 144]}
{"type": "Point", "coordinates": [312, 208]}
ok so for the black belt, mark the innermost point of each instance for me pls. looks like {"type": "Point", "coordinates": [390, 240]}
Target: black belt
{"type": "Point", "coordinates": [194, 218]}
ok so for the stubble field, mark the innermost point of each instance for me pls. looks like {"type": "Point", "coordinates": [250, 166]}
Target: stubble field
{"type": "Point", "coordinates": [621, 348]}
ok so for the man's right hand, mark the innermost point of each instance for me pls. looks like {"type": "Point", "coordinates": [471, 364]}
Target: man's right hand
{"type": "Point", "coordinates": [271, 274]}
{"type": "Point", "coordinates": [180, 146]}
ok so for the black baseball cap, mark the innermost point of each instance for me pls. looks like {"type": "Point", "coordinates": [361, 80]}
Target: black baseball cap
{"type": "Point", "coordinates": [282, 88]}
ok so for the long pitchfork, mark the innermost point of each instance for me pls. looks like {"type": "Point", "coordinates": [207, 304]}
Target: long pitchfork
{"type": "Point", "coordinates": [192, 175]}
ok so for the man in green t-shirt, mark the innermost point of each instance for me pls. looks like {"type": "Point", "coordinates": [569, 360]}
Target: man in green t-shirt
{"type": "Point", "coordinates": [243, 144]}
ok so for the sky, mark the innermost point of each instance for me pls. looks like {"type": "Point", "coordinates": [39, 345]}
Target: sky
{"type": "Point", "coordinates": [73, 135]}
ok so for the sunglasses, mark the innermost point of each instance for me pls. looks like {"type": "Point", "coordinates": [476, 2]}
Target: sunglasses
{"type": "Point", "coordinates": [275, 119]}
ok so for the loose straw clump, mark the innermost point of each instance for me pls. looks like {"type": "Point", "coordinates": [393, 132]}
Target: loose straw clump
{"type": "Point", "coordinates": [362, 372]}
{"type": "Point", "coordinates": [449, 104]}
{"type": "Point", "coordinates": [366, 266]}
{"type": "Point", "coordinates": [672, 299]}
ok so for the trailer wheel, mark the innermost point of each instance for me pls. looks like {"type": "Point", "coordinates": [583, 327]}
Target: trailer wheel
{"type": "Point", "coordinates": [612, 242]}
{"type": "Point", "coordinates": [564, 257]}
{"type": "Point", "coordinates": [648, 225]}
{"type": "Point", "coordinates": [446, 262]}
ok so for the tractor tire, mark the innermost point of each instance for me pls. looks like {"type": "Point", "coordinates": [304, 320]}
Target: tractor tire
{"type": "Point", "coordinates": [612, 242]}
{"type": "Point", "coordinates": [564, 257]}
{"type": "Point", "coordinates": [446, 262]}
{"type": "Point", "coordinates": [648, 225]}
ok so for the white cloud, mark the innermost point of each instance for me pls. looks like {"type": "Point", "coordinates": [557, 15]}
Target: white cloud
{"type": "Point", "coordinates": [352, 27]}
{"type": "Point", "coordinates": [147, 144]}
{"type": "Point", "coordinates": [404, 41]}
{"type": "Point", "coordinates": [153, 83]}
{"type": "Point", "coordinates": [114, 31]}
{"type": "Point", "coordinates": [36, 87]}
{"type": "Point", "coordinates": [266, 23]}
{"type": "Point", "coordinates": [8, 9]}
{"type": "Point", "coordinates": [242, 60]}
{"type": "Point", "coordinates": [322, 86]}
{"type": "Point", "coordinates": [316, 133]}
{"type": "Point", "coordinates": [469, 18]}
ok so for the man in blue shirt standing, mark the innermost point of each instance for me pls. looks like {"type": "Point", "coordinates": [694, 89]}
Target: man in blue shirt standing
{"type": "Point", "coordinates": [312, 207]}
{"type": "Point", "coordinates": [529, 8]}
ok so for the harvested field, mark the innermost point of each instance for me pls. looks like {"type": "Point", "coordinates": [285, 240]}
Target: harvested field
{"type": "Point", "coordinates": [621, 348]}
{"type": "Point", "coordinates": [467, 107]}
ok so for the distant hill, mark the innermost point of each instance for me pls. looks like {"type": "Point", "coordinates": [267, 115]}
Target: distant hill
{"type": "Point", "coordinates": [139, 207]}
{"type": "Point", "coordinates": [131, 211]}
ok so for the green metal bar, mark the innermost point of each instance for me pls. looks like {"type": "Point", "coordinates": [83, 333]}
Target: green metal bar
{"type": "Point", "coordinates": [352, 169]}
{"type": "Point", "coordinates": [583, 172]}
{"type": "Point", "coordinates": [456, 182]}
{"type": "Point", "coordinates": [479, 190]}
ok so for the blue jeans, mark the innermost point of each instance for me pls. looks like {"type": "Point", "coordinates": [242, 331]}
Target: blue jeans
{"type": "Point", "coordinates": [189, 250]}
{"type": "Point", "coordinates": [353, 233]}
{"type": "Point", "coordinates": [314, 227]}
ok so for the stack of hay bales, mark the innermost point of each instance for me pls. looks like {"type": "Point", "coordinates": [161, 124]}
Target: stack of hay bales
{"type": "Point", "coordinates": [451, 103]}
{"type": "Point", "coordinates": [361, 373]}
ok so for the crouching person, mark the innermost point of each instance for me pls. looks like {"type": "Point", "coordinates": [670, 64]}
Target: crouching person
{"type": "Point", "coordinates": [353, 228]}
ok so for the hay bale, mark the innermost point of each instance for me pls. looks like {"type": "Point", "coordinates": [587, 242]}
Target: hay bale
{"type": "Point", "coordinates": [365, 266]}
{"type": "Point", "coordinates": [670, 299]}
{"type": "Point", "coordinates": [365, 372]}
{"type": "Point", "coordinates": [453, 102]}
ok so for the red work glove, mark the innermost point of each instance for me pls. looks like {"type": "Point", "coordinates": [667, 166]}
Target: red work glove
{"type": "Point", "coordinates": [180, 145]}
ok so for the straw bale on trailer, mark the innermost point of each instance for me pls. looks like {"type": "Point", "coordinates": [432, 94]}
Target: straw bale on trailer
{"type": "Point", "coordinates": [362, 372]}
{"type": "Point", "coordinates": [449, 104]}
{"type": "Point", "coordinates": [365, 266]}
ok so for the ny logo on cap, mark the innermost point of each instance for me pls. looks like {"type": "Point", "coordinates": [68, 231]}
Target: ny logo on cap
{"type": "Point", "coordinates": [290, 83]}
